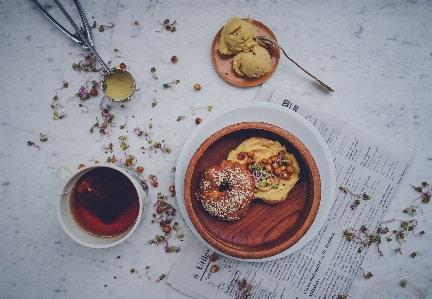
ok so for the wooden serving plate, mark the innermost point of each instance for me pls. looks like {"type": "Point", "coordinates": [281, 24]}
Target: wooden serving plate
{"type": "Point", "coordinates": [267, 229]}
{"type": "Point", "coordinates": [223, 63]}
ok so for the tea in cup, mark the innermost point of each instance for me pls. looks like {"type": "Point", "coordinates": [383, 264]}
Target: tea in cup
{"type": "Point", "coordinates": [101, 205]}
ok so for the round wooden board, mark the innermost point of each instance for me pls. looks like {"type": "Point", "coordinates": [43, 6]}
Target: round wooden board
{"type": "Point", "coordinates": [267, 229]}
{"type": "Point", "coordinates": [223, 63]}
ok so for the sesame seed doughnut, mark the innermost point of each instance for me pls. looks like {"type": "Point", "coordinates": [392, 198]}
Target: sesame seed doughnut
{"type": "Point", "coordinates": [226, 190]}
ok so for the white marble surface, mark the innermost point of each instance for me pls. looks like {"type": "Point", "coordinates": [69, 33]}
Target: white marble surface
{"type": "Point", "coordinates": [376, 54]}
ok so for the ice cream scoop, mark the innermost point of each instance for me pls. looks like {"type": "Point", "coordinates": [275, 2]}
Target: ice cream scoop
{"type": "Point", "coordinates": [252, 64]}
{"type": "Point", "coordinates": [237, 36]}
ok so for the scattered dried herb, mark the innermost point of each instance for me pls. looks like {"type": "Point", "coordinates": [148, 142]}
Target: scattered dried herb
{"type": "Point", "coordinates": [133, 270]}
{"type": "Point", "coordinates": [30, 143]}
{"type": "Point", "coordinates": [244, 289]}
{"type": "Point", "coordinates": [363, 237]}
{"type": "Point", "coordinates": [426, 192]}
{"type": "Point", "coordinates": [88, 64]}
{"type": "Point", "coordinates": [367, 275]}
{"type": "Point", "coordinates": [136, 23]}
{"type": "Point", "coordinates": [356, 197]}
{"type": "Point", "coordinates": [161, 277]}
{"type": "Point", "coordinates": [154, 103]}
{"type": "Point", "coordinates": [208, 108]}
{"type": "Point", "coordinates": [153, 71]}
{"type": "Point", "coordinates": [102, 27]}
{"type": "Point", "coordinates": [166, 214]}
{"type": "Point", "coordinates": [119, 54]}
{"type": "Point", "coordinates": [43, 138]}
{"type": "Point", "coordinates": [172, 84]}
{"type": "Point", "coordinates": [168, 26]}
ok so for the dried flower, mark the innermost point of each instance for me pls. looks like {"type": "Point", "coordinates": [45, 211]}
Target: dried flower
{"type": "Point", "coordinates": [426, 192]}
{"type": "Point", "coordinates": [162, 276]}
{"type": "Point", "coordinates": [166, 24]}
{"type": "Point", "coordinates": [119, 54]}
{"type": "Point", "coordinates": [88, 64]}
{"type": "Point", "coordinates": [153, 70]}
{"type": "Point", "coordinates": [243, 289]}
{"type": "Point", "coordinates": [102, 27]}
{"type": "Point", "coordinates": [356, 197]}
{"type": "Point", "coordinates": [171, 84]}
{"type": "Point", "coordinates": [43, 138]}
{"type": "Point", "coordinates": [30, 143]}
{"type": "Point", "coordinates": [404, 283]}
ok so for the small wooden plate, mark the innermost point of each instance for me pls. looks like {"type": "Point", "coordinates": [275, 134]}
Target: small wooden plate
{"type": "Point", "coordinates": [267, 229]}
{"type": "Point", "coordinates": [223, 63]}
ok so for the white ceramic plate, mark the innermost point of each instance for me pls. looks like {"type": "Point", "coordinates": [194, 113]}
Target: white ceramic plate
{"type": "Point", "coordinates": [278, 116]}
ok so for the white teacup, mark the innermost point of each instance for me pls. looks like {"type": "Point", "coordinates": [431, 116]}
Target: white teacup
{"type": "Point", "coordinates": [67, 221]}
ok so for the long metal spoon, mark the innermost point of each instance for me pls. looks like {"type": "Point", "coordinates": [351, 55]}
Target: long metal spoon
{"type": "Point", "coordinates": [268, 41]}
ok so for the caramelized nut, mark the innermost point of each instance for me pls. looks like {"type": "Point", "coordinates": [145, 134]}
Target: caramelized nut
{"type": "Point", "coordinates": [275, 165]}
{"type": "Point", "coordinates": [283, 167]}
{"type": "Point", "coordinates": [213, 257]}
{"type": "Point", "coordinates": [264, 161]}
{"type": "Point", "coordinates": [198, 120]}
{"type": "Point", "coordinates": [285, 175]}
{"type": "Point", "coordinates": [197, 87]}
{"type": "Point", "coordinates": [251, 154]}
{"type": "Point", "coordinates": [241, 156]}
{"type": "Point", "coordinates": [277, 171]}
{"type": "Point", "coordinates": [174, 59]}
{"type": "Point", "coordinates": [166, 229]}
{"type": "Point", "coordinates": [281, 153]}
{"type": "Point", "coordinates": [140, 169]}
{"type": "Point", "coordinates": [159, 209]}
{"type": "Point", "coordinates": [214, 269]}
{"type": "Point", "coordinates": [268, 167]}
{"type": "Point", "coordinates": [94, 92]}
{"type": "Point", "coordinates": [155, 184]}
{"type": "Point", "coordinates": [172, 189]}
{"type": "Point", "coordinates": [162, 223]}
{"type": "Point", "coordinates": [274, 158]}
{"type": "Point", "coordinates": [291, 169]}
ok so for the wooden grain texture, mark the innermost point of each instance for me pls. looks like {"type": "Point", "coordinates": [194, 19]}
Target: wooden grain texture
{"type": "Point", "coordinates": [223, 63]}
{"type": "Point", "coordinates": [267, 229]}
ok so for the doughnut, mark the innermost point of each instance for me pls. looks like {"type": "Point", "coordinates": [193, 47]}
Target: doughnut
{"type": "Point", "coordinates": [226, 190]}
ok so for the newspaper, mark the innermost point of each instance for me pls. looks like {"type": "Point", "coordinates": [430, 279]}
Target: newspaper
{"type": "Point", "coordinates": [328, 264]}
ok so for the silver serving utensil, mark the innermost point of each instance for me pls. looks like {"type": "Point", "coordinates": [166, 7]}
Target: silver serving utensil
{"type": "Point", "coordinates": [84, 38]}
{"type": "Point", "coordinates": [269, 41]}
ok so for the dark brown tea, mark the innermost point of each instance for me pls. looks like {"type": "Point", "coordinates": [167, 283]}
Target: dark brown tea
{"type": "Point", "coordinates": [104, 202]}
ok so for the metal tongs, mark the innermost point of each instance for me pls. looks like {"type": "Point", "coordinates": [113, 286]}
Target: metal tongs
{"type": "Point", "coordinates": [82, 35]}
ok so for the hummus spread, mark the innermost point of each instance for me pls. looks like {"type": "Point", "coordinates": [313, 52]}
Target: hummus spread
{"type": "Point", "coordinates": [256, 152]}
